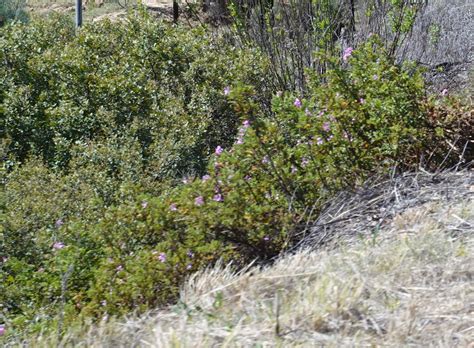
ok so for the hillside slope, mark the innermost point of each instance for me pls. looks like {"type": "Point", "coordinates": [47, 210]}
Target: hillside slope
{"type": "Point", "coordinates": [409, 284]}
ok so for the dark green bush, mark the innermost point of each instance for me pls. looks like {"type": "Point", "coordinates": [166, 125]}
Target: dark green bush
{"type": "Point", "coordinates": [136, 81]}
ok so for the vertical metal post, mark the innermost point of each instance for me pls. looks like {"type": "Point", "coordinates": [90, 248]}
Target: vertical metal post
{"type": "Point", "coordinates": [175, 11]}
{"type": "Point", "coordinates": [78, 13]}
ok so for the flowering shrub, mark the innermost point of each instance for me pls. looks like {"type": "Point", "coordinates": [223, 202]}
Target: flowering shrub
{"type": "Point", "coordinates": [107, 234]}
{"type": "Point", "coordinates": [90, 121]}
{"type": "Point", "coordinates": [260, 192]}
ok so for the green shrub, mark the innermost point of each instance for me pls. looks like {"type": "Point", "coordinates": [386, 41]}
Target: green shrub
{"type": "Point", "coordinates": [140, 79]}
{"type": "Point", "coordinates": [12, 10]}
{"type": "Point", "coordinates": [104, 228]}
{"type": "Point", "coordinates": [114, 112]}
{"type": "Point", "coordinates": [259, 194]}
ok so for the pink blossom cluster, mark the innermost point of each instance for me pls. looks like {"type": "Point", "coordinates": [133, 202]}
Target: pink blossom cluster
{"type": "Point", "coordinates": [242, 131]}
{"type": "Point", "coordinates": [347, 53]}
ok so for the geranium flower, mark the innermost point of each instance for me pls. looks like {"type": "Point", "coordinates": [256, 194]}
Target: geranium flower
{"type": "Point", "coordinates": [218, 197]}
{"type": "Point", "coordinates": [219, 150]}
{"type": "Point", "coordinates": [199, 200]}
{"type": "Point", "coordinates": [347, 53]}
{"type": "Point", "coordinates": [58, 245]}
{"type": "Point", "coordinates": [59, 223]}
{"type": "Point", "coordinates": [162, 257]}
{"type": "Point", "coordinates": [297, 103]}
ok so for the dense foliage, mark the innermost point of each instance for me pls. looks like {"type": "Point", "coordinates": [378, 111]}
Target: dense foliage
{"type": "Point", "coordinates": [136, 153]}
{"type": "Point", "coordinates": [11, 10]}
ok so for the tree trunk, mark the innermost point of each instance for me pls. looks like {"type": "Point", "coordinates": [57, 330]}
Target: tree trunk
{"type": "Point", "coordinates": [222, 8]}
{"type": "Point", "coordinates": [205, 5]}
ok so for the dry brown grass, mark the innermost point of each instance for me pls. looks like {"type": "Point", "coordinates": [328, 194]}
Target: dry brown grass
{"type": "Point", "coordinates": [409, 285]}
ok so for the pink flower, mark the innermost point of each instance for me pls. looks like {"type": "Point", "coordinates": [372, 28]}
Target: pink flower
{"type": "Point", "coordinates": [307, 112]}
{"type": "Point", "coordinates": [219, 150]}
{"type": "Point", "coordinates": [227, 90]}
{"type": "Point", "coordinates": [304, 162]}
{"type": "Point", "coordinates": [206, 177]}
{"type": "Point", "coordinates": [247, 178]}
{"type": "Point", "coordinates": [59, 223]}
{"type": "Point", "coordinates": [319, 141]}
{"type": "Point", "coordinates": [144, 204]}
{"type": "Point", "coordinates": [266, 238]}
{"type": "Point", "coordinates": [189, 266]}
{"type": "Point", "coordinates": [2, 330]}
{"type": "Point", "coordinates": [293, 170]}
{"type": "Point", "coordinates": [362, 100]}
{"type": "Point", "coordinates": [444, 92]}
{"type": "Point", "coordinates": [199, 200]}
{"type": "Point", "coordinates": [119, 268]}
{"type": "Point", "coordinates": [162, 257]}
{"type": "Point", "coordinates": [265, 160]}
{"type": "Point", "coordinates": [297, 103]}
{"type": "Point", "coordinates": [58, 245]}
{"type": "Point", "coordinates": [218, 197]}
{"type": "Point", "coordinates": [173, 207]}
{"type": "Point", "coordinates": [347, 53]}
{"type": "Point", "coordinates": [242, 131]}
{"type": "Point", "coordinates": [326, 126]}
